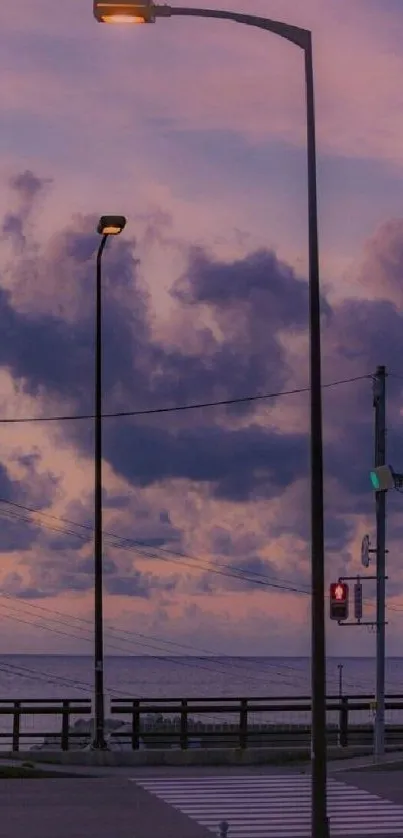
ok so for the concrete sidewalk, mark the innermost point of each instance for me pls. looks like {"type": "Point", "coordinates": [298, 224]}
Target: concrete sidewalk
{"type": "Point", "coordinates": [345, 763]}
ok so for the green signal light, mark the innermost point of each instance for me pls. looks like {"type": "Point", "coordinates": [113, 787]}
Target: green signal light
{"type": "Point", "coordinates": [375, 480]}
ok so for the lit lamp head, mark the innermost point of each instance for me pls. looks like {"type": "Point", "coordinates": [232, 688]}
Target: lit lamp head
{"type": "Point", "coordinates": [120, 12]}
{"type": "Point", "coordinates": [111, 225]}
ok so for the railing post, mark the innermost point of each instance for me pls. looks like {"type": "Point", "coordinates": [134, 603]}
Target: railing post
{"type": "Point", "coordinates": [16, 726]}
{"type": "Point", "coordinates": [343, 722]}
{"type": "Point", "coordinates": [65, 725]}
{"type": "Point", "coordinates": [135, 725]}
{"type": "Point", "coordinates": [243, 724]}
{"type": "Point", "coordinates": [184, 725]}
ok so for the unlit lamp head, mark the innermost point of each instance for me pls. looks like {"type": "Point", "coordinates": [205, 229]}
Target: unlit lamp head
{"type": "Point", "coordinates": [123, 13]}
{"type": "Point", "coordinates": [111, 225]}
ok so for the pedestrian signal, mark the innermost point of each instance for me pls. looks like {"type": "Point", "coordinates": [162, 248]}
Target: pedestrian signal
{"type": "Point", "coordinates": [338, 601]}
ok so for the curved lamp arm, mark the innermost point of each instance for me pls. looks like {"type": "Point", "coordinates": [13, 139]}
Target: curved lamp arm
{"type": "Point", "coordinates": [298, 36]}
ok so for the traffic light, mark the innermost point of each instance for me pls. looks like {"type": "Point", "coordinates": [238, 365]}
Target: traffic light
{"type": "Point", "coordinates": [339, 601]}
{"type": "Point", "coordinates": [382, 478]}
{"type": "Point", "coordinates": [358, 601]}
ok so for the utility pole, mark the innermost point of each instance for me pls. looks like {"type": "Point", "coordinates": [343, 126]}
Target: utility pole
{"type": "Point", "coordinates": [379, 393]}
{"type": "Point", "coordinates": [340, 668]}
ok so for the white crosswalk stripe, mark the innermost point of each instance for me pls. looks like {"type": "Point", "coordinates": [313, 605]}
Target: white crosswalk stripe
{"type": "Point", "coordinates": [275, 805]}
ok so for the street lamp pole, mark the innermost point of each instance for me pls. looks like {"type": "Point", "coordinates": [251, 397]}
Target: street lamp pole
{"type": "Point", "coordinates": [108, 226]}
{"type": "Point", "coordinates": [131, 11]}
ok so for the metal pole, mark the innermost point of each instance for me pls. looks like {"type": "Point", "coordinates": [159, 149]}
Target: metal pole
{"type": "Point", "coordinates": [379, 392]}
{"type": "Point", "coordinates": [320, 823]}
{"type": "Point", "coordinates": [341, 733]}
{"type": "Point", "coordinates": [303, 38]}
{"type": "Point", "coordinates": [99, 736]}
{"type": "Point", "coordinates": [340, 668]}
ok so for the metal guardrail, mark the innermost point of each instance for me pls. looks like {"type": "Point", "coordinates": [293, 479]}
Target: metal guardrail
{"type": "Point", "coordinates": [242, 734]}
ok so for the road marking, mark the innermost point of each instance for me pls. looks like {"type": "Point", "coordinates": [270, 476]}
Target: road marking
{"type": "Point", "coordinates": [275, 805]}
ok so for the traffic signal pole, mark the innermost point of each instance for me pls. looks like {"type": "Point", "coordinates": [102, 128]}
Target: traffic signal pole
{"type": "Point", "coordinates": [379, 393]}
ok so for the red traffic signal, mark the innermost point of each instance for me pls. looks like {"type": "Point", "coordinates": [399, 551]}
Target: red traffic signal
{"type": "Point", "coordinates": [338, 601]}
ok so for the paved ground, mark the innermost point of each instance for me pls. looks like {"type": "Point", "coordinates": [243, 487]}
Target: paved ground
{"type": "Point", "coordinates": [279, 805]}
{"type": "Point", "coordinates": [79, 808]}
{"type": "Point", "coordinates": [189, 803]}
{"type": "Point", "coordinates": [387, 784]}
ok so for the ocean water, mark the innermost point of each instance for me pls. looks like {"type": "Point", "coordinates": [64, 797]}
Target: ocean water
{"type": "Point", "coordinates": [148, 677]}
{"type": "Point", "coordinates": [54, 676]}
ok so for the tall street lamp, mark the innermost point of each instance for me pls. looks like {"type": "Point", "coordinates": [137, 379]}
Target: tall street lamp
{"type": "Point", "coordinates": [109, 225]}
{"type": "Point", "coordinates": [113, 11]}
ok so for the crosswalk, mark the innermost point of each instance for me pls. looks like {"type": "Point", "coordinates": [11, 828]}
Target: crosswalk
{"type": "Point", "coordinates": [275, 805]}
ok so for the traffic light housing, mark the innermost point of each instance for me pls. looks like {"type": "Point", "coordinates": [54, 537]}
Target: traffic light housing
{"type": "Point", "coordinates": [358, 601]}
{"type": "Point", "coordinates": [338, 601]}
{"type": "Point", "coordinates": [382, 478]}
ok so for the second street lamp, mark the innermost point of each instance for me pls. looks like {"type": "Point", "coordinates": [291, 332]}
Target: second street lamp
{"type": "Point", "coordinates": [148, 12]}
{"type": "Point", "coordinates": [108, 225]}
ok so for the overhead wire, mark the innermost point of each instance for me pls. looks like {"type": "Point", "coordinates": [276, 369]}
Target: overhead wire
{"type": "Point", "coordinates": [214, 567]}
{"type": "Point", "coordinates": [205, 651]}
{"type": "Point", "coordinates": [243, 578]}
{"type": "Point", "coordinates": [132, 639]}
{"type": "Point", "coordinates": [149, 550]}
{"type": "Point", "coordinates": [237, 573]}
{"type": "Point", "coordinates": [180, 408]}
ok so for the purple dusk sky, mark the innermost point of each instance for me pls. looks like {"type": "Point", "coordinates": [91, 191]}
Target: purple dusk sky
{"type": "Point", "coordinates": [195, 130]}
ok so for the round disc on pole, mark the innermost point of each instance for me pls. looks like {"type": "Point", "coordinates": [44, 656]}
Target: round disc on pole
{"type": "Point", "coordinates": [365, 545]}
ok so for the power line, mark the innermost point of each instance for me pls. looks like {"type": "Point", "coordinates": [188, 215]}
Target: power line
{"type": "Point", "coordinates": [242, 577]}
{"type": "Point", "coordinates": [137, 635]}
{"type": "Point", "coordinates": [148, 637]}
{"type": "Point", "coordinates": [178, 408]}
{"type": "Point", "coordinates": [195, 664]}
{"type": "Point", "coordinates": [212, 567]}
{"type": "Point", "coordinates": [143, 548]}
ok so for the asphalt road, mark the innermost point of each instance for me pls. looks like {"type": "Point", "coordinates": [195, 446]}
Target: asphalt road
{"type": "Point", "coordinates": [81, 808]}
{"type": "Point", "coordinates": [116, 807]}
{"type": "Point", "coordinates": [387, 784]}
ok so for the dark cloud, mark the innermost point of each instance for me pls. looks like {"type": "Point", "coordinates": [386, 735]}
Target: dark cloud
{"type": "Point", "coordinates": [16, 534]}
{"type": "Point", "coordinates": [155, 372]}
{"type": "Point", "coordinates": [135, 585]}
{"type": "Point", "coordinates": [253, 304]}
{"type": "Point", "coordinates": [251, 573]}
{"type": "Point", "coordinates": [28, 186]}
{"type": "Point", "coordinates": [17, 531]}
{"type": "Point", "coordinates": [239, 464]}
{"type": "Point", "coordinates": [52, 575]}
{"type": "Point", "coordinates": [8, 487]}
{"type": "Point", "coordinates": [259, 283]}
{"type": "Point", "coordinates": [110, 501]}
{"type": "Point", "coordinates": [143, 525]}
{"type": "Point", "coordinates": [262, 297]}
{"type": "Point", "coordinates": [50, 356]}
{"type": "Point", "coordinates": [13, 226]}
{"type": "Point", "coordinates": [225, 543]}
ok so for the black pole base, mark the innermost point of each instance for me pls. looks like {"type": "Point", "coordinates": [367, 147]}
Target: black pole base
{"type": "Point", "coordinates": [99, 746]}
{"type": "Point", "coordinates": [326, 830]}
{"type": "Point", "coordinates": [321, 831]}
